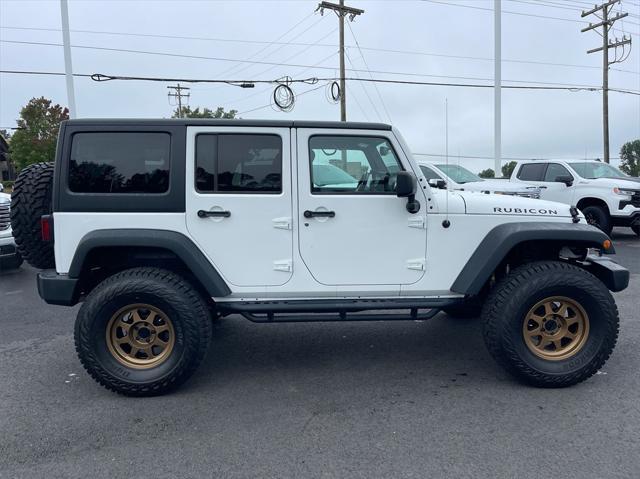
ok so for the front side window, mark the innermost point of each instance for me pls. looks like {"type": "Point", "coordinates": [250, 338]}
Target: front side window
{"type": "Point", "coordinates": [532, 172]}
{"type": "Point", "coordinates": [119, 162]}
{"type": "Point", "coordinates": [429, 174]}
{"type": "Point", "coordinates": [554, 170]}
{"type": "Point", "coordinates": [238, 163]}
{"type": "Point", "coordinates": [352, 164]}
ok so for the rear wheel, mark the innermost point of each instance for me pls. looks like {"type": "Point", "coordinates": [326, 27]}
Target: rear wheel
{"type": "Point", "coordinates": [598, 217]}
{"type": "Point", "coordinates": [551, 324]}
{"type": "Point", "coordinates": [142, 332]}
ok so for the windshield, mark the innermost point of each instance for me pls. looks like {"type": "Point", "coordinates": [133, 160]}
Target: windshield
{"type": "Point", "coordinates": [592, 170]}
{"type": "Point", "coordinates": [459, 174]}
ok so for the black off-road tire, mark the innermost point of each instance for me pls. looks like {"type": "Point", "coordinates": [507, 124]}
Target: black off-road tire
{"type": "Point", "coordinates": [598, 217]}
{"type": "Point", "coordinates": [159, 288]}
{"type": "Point", "coordinates": [636, 229]}
{"type": "Point", "coordinates": [32, 198]}
{"type": "Point", "coordinates": [513, 297]}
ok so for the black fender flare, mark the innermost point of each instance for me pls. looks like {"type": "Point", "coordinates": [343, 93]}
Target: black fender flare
{"type": "Point", "coordinates": [179, 244]}
{"type": "Point", "coordinates": [503, 238]}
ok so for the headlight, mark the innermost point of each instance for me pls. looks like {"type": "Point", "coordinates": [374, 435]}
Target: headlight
{"type": "Point", "coordinates": [624, 191]}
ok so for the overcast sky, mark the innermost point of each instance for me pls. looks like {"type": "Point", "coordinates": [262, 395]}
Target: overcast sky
{"type": "Point", "coordinates": [558, 124]}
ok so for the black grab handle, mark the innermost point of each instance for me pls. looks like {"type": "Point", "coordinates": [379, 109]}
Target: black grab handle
{"type": "Point", "coordinates": [320, 214]}
{"type": "Point", "coordinates": [213, 214]}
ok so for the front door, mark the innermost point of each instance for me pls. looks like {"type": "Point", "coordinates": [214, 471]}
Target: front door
{"type": "Point", "coordinates": [354, 230]}
{"type": "Point", "coordinates": [239, 201]}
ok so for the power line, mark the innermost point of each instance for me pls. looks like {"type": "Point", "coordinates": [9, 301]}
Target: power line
{"type": "Point", "coordinates": [247, 83]}
{"type": "Point", "coordinates": [294, 65]}
{"type": "Point", "coordinates": [364, 60]}
{"type": "Point", "coordinates": [323, 45]}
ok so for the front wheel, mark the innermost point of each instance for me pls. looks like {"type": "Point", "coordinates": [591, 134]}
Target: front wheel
{"type": "Point", "coordinates": [142, 332]}
{"type": "Point", "coordinates": [598, 217]}
{"type": "Point", "coordinates": [551, 324]}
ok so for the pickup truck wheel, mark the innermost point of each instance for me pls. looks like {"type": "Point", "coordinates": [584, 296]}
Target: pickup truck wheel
{"type": "Point", "coordinates": [142, 332]}
{"type": "Point", "coordinates": [551, 324]}
{"type": "Point", "coordinates": [31, 198]}
{"type": "Point", "coordinates": [598, 217]}
{"type": "Point", "coordinates": [636, 229]}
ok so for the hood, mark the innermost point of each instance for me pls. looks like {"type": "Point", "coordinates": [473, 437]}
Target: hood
{"type": "Point", "coordinates": [514, 206]}
{"type": "Point", "coordinates": [497, 185]}
{"type": "Point", "coordinates": [629, 182]}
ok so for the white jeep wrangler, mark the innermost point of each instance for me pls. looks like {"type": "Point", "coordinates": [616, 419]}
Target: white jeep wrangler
{"type": "Point", "coordinates": [605, 195]}
{"type": "Point", "coordinates": [159, 225]}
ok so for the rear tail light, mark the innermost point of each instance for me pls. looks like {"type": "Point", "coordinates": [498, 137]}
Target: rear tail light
{"type": "Point", "coordinates": [46, 227]}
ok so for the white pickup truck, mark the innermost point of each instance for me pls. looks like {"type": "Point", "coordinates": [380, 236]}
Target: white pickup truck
{"type": "Point", "coordinates": [458, 178]}
{"type": "Point", "coordinates": [605, 195]}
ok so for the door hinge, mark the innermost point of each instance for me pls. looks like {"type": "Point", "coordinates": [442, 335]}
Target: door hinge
{"type": "Point", "coordinates": [285, 266]}
{"type": "Point", "coordinates": [416, 264]}
{"type": "Point", "coordinates": [282, 223]}
{"type": "Point", "coordinates": [417, 223]}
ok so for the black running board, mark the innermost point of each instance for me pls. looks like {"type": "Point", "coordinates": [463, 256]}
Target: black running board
{"type": "Point", "coordinates": [294, 311]}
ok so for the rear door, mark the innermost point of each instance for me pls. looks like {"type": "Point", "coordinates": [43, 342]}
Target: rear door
{"type": "Point", "coordinates": [354, 230]}
{"type": "Point", "coordinates": [239, 201]}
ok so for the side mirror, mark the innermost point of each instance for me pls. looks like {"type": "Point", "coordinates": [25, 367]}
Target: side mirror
{"type": "Point", "coordinates": [406, 186]}
{"type": "Point", "coordinates": [437, 183]}
{"type": "Point", "coordinates": [567, 180]}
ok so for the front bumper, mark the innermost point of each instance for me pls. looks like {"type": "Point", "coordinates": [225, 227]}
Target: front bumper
{"type": "Point", "coordinates": [614, 276]}
{"type": "Point", "coordinates": [632, 220]}
{"type": "Point", "coordinates": [57, 288]}
{"type": "Point", "coordinates": [8, 252]}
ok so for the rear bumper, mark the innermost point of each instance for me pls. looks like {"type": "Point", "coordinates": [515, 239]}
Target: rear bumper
{"type": "Point", "coordinates": [614, 276]}
{"type": "Point", "coordinates": [57, 288]}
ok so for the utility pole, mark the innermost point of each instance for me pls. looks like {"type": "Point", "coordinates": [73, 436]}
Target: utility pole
{"type": "Point", "coordinates": [178, 95]}
{"type": "Point", "coordinates": [606, 22]}
{"type": "Point", "coordinates": [68, 67]}
{"type": "Point", "coordinates": [497, 88]}
{"type": "Point", "coordinates": [342, 11]}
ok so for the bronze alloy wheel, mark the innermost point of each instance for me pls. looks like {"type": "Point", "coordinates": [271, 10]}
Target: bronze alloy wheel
{"type": "Point", "coordinates": [556, 328]}
{"type": "Point", "coordinates": [140, 336]}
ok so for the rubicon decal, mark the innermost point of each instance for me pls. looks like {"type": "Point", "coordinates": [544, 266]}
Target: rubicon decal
{"type": "Point", "coordinates": [525, 211]}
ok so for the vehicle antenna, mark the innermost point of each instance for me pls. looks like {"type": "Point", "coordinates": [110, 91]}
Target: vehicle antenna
{"type": "Point", "coordinates": [446, 223]}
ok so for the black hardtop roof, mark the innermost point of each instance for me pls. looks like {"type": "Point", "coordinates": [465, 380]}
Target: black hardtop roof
{"type": "Point", "coordinates": [239, 122]}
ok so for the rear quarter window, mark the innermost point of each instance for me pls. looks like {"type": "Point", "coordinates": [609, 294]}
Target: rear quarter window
{"type": "Point", "coordinates": [532, 172]}
{"type": "Point", "coordinates": [119, 162]}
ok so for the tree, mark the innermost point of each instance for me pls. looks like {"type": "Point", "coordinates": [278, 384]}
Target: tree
{"type": "Point", "coordinates": [187, 112]}
{"type": "Point", "coordinates": [630, 158]}
{"type": "Point", "coordinates": [488, 173]}
{"type": "Point", "coordinates": [508, 169]}
{"type": "Point", "coordinates": [37, 134]}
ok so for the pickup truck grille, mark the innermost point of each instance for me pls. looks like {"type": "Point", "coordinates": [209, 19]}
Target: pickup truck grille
{"type": "Point", "coordinates": [4, 217]}
{"type": "Point", "coordinates": [635, 199]}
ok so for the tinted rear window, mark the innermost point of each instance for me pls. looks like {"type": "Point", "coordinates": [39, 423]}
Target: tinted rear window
{"type": "Point", "coordinates": [532, 172]}
{"type": "Point", "coordinates": [119, 162]}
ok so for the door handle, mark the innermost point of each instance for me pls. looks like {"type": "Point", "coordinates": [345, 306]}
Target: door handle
{"type": "Point", "coordinates": [213, 214]}
{"type": "Point", "coordinates": [319, 214]}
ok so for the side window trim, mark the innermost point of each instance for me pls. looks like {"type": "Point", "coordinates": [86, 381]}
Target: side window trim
{"type": "Point", "coordinates": [348, 192]}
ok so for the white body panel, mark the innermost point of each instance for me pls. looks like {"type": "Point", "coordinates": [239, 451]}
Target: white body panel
{"type": "Point", "coordinates": [254, 246]}
{"type": "Point", "coordinates": [372, 248]}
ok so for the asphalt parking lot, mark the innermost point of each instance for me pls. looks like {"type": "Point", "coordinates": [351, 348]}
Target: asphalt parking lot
{"type": "Point", "coordinates": [404, 399]}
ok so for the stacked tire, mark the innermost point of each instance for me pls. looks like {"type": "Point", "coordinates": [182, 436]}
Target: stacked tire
{"type": "Point", "coordinates": [30, 200]}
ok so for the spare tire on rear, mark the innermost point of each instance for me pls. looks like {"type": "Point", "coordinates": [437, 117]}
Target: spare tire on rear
{"type": "Point", "coordinates": [32, 198]}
